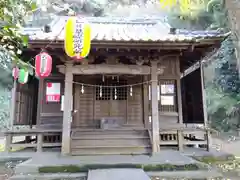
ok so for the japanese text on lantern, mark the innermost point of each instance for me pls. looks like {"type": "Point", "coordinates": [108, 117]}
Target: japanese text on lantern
{"type": "Point", "coordinates": [78, 37]}
{"type": "Point", "coordinates": [43, 62]}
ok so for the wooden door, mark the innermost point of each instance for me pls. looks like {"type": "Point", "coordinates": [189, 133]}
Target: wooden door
{"type": "Point", "coordinates": [111, 100]}
{"type": "Point", "coordinates": [118, 103]}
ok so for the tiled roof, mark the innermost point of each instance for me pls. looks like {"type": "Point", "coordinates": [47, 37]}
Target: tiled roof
{"type": "Point", "coordinates": [122, 29]}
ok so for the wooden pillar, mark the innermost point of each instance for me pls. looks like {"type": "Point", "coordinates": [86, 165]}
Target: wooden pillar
{"type": "Point", "coordinates": [180, 112]}
{"type": "Point", "coordinates": [208, 135]}
{"type": "Point", "coordinates": [154, 109]}
{"type": "Point", "coordinates": [145, 102]}
{"type": "Point", "coordinates": [8, 142]}
{"type": "Point", "coordinates": [40, 100]}
{"type": "Point", "coordinates": [67, 111]}
{"type": "Point", "coordinates": [13, 104]}
{"type": "Point", "coordinates": [180, 115]}
{"type": "Point", "coordinates": [39, 142]}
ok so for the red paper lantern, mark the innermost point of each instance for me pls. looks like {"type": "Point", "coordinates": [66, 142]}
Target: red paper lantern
{"type": "Point", "coordinates": [43, 65]}
{"type": "Point", "coordinates": [78, 57]}
{"type": "Point", "coordinates": [15, 73]}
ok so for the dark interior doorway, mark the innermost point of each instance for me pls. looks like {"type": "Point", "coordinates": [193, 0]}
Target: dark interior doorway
{"type": "Point", "coordinates": [192, 98]}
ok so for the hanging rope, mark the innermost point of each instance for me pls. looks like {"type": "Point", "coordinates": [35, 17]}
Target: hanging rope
{"type": "Point", "coordinates": [33, 58]}
{"type": "Point", "coordinates": [111, 86]}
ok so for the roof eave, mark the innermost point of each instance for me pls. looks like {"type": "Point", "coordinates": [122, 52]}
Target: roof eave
{"type": "Point", "coordinates": [136, 44]}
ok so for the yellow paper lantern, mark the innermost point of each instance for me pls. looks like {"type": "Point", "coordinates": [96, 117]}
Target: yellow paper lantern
{"type": "Point", "coordinates": [77, 38]}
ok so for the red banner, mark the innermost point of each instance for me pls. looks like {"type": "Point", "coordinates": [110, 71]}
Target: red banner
{"type": "Point", "coordinates": [53, 92]}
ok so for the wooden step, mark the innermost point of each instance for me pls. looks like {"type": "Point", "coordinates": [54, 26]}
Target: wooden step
{"type": "Point", "coordinates": [134, 125]}
{"type": "Point", "coordinates": [117, 141]}
{"type": "Point", "coordinates": [110, 142]}
{"type": "Point", "coordinates": [101, 137]}
{"type": "Point", "coordinates": [109, 132]}
{"type": "Point", "coordinates": [112, 146]}
{"type": "Point", "coordinates": [110, 150]}
{"type": "Point", "coordinates": [110, 129]}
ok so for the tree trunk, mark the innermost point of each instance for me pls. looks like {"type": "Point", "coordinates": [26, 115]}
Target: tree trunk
{"type": "Point", "coordinates": [233, 8]}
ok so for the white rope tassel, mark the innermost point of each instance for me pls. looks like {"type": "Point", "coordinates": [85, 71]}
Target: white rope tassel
{"type": "Point", "coordinates": [115, 93]}
{"type": "Point", "coordinates": [131, 91]}
{"type": "Point", "coordinates": [82, 89]}
{"type": "Point", "coordinates": [100, 93]}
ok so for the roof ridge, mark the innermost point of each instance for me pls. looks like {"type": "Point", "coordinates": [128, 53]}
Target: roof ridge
{"type": "Point", "coordinates": [123, 20]}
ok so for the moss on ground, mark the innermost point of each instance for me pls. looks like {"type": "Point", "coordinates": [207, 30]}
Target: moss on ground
{"type": "Point", "coordinates": [145, 167]}
{"type": "Point", "coordinates": [215, 159]}
{"type": "Point", "coordinates": [2, 148]}
{"type": "Point", "coordinates": [228, 165]}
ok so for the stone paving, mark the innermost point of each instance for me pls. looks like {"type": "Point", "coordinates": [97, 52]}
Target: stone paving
{"type": "Point", "coordinates": [117, 174]}
{"type": "Point", "coordinates": [55, 159]}
{"type": "Point", "coordinates": [35, 160]}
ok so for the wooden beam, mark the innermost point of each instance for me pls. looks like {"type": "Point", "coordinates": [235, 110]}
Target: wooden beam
{"type": "Point", "coordinates": [132, 44]}
{"type": "Point", "coordinates": [204, 102]}
{"type": "Point", "coordinates": [155, 114]}
{"type": "Point", "coordinates": [180, 112]}
{"type": "Point", "coordinates": [13, 104]}
{"type": "Point", "coordinates": [146, 102]}
{"type": "Point", "coordinates": [40, 100]}
{"type": "Point", "coordinates": [122, 44]}
{"type": "Point", "coordinates": [110, 69]}
{"type": "Point", "coordinates": [67, 112]}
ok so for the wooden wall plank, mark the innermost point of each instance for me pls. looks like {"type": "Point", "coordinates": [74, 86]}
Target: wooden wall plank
{"type": "Point", "coordinates": [135, 103]}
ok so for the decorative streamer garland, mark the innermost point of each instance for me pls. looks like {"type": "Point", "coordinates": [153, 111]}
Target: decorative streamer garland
{"type": "Point", "coordinates": [15, 73]}
{"type": "Point", "coordinates": [23, 76]}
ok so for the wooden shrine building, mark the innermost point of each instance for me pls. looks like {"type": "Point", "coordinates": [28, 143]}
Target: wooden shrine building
{"type": "Point", "coordinates": [126, 97]}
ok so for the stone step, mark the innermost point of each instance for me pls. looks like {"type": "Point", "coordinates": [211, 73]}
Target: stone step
{"type": "Point", "coordinates": [200, 174]}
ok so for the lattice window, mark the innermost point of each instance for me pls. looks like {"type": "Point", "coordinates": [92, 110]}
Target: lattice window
{"type": "Point", "coordinates": [112, 93]}
{"type": "Point", "coordinates": [119, 93]}
{"type": "Point", "coordinates": [103, 93]}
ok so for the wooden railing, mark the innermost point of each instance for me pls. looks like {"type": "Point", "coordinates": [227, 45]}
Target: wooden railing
{"type": "Point", "coordinates": [191, 137]}
{"type": "Point", "coordinates": [43, 138]}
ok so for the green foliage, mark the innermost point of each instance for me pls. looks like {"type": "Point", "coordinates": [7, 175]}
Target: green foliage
{"type": "Point", "coordinates": [145, 167]}
{"type": "Point", "coordinates": [201, 16]}
{"type": "Point", "coordinates": [215, 159]}
{"type": "Point", "coordinates": [223, 91]}
{"type": "Point", "coordinates": [12, 14]}
{"type": "Point", "coordinates": [219, 14]}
